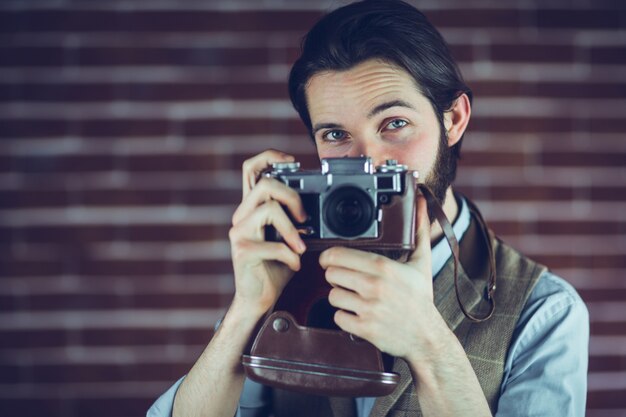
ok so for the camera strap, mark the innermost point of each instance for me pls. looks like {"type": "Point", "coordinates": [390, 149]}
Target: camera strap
{"type": "Point", "coordinates": [448, 232]}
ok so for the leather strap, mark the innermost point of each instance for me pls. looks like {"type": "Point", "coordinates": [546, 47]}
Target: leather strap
{"type": "Point", "coordinates": [448, 232]}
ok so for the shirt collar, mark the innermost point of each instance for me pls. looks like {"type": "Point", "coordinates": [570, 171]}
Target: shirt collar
{"type": "Point", "coordinates": [441, 251]}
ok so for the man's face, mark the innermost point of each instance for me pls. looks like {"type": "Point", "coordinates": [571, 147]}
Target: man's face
{"type": "Point", "coordinates": [375, 109]}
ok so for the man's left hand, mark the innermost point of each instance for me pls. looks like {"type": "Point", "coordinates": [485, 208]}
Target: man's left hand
{"type": "Point", "coordinates": [386, 302]}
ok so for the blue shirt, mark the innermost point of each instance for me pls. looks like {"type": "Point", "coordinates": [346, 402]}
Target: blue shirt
{"type": "Point", "coordinates": [545, 372]}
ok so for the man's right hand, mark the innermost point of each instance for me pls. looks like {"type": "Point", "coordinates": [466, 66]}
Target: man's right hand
{"type": "Point", "coordinates": [214, 383]}
{"type": "Point", "coordinates": [262, 269]}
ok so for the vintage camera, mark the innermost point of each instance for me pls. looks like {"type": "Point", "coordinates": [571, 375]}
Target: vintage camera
{"type": "Point", "coordinates": [352, 202]}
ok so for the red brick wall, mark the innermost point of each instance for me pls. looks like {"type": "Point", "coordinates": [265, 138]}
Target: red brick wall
{"type": "Point", "coordinates": [123, 125]}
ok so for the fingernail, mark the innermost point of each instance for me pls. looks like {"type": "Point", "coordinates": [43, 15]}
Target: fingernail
{"type": "Point", "coordinates": [301, 246]}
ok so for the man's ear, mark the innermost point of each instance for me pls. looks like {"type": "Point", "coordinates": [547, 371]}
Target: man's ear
{"type": "Point", "coordinates": [456, 119]}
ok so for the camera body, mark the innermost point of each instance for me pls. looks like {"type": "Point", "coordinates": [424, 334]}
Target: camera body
{"type": "Point", "coordinates": [352, 203]}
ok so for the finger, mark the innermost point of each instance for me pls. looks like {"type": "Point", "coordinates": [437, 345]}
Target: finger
{"type": "Point", "coordinates": [346, 300]}
{"type": "Point", "coordinates": [362, 284]}
{"type": "Point", "coordinates": [422, 252]}
{"type": "Point", "coordinates": [348, 322]}
{"type": "Point", "coordinates": [355, 259]}
{"type": "Point", "coordinates": [270, 189]}
{"type": "Point", "coordinates": [269, 214]}
{"type": "Point", "coordinates": [253, 167]}
{"type": "Point", "coordinates": [247, 251]}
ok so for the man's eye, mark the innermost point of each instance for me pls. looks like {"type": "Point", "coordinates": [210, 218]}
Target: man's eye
{"type": "Point", "coordinates": [334, 135]}
{"type": "Point", "coordinates": [396, 124]}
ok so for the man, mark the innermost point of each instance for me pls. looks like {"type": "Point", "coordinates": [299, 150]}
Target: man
{"type": "Point", "coordinates": [376, 79]}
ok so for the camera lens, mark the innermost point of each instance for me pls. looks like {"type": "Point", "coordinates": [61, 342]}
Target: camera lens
{"type": "Point", "coordinates": [348, 211]}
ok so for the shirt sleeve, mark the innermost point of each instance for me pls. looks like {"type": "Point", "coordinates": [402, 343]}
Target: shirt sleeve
{"type": "Point", "coordinates": [255, 401]}
{"type": "Point", "coordinates": [546, 368]}
{"type": "Point", "coordinates": [164, 405]}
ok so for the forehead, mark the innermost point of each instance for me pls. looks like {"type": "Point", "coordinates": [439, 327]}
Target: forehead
{"type": "Point", "coordinates": [363, 84]}
{"type": "Point", "coordinates": [361, 87]}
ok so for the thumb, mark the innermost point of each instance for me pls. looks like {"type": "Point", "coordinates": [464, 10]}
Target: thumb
{"type": "Point", "coordinates": [422, 254]}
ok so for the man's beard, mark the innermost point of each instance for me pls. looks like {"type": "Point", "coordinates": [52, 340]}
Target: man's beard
{"type": "Point", "coordinates": [442, 173]}
{"type": "Point", "coordinates": [438, 180]}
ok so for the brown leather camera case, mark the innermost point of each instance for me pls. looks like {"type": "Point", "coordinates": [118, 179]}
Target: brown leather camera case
{"type": "Point", "coordinates": [316, 361]}
{"type": "Point", "coordinates": [322, 359]}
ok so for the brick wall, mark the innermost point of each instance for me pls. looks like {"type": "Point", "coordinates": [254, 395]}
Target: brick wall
{"type": "Point", "coordinates": [123, 125]}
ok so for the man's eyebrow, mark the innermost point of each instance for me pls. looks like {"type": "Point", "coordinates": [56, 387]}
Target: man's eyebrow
{"type": "Point", "coordinates": [378, 109]}
{"type": "Point", "coordinates": [320, 126]}
{"type": "Point", "coordinates": [384, 106]}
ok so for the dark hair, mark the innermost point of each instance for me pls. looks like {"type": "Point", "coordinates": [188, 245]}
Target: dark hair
{"type": "Point", "coordinates": [391, 31]}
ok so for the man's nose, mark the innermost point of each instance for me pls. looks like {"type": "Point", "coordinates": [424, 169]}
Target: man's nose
{"type": "Point", "coordinates": [377, 151]}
